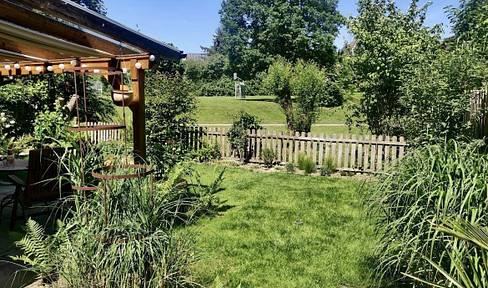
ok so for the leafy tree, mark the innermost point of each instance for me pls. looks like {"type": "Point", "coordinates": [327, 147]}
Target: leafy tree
{"type": "Point", "coordinates": [95, 5]}
{"type": "Point", "coordinates": [307, 82]}
{"type": "Point", "coordinates": [253, 32]}
{"type": "Point", "coordinates": [436, 93]}
{"type": "Point", "coordinates": [169, 110]}
{"type": "Point", "coordinates": [387, 41]}
{"type": "Point", "coordinates": [470, 21]}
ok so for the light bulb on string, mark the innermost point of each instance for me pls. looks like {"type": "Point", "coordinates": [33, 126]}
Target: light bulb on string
{"type": "Point", "coordinates": [28, 68]}
{"type": "Point", "coordinates": [7, 67]}
{"type": "Point", "coordinates": [38, 68]}
{"type": "Point", "coordinates": [50, 68]}
{"type": "Point", "coordinates": [17, 66]}
{"type": "Point", "coordinates": [138, 65]}
{"type": "Point", "coordinates": [61, 66]}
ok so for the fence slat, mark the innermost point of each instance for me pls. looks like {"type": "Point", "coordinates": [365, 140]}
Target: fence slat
{"type": "Point", "coordinates": [350, 152]}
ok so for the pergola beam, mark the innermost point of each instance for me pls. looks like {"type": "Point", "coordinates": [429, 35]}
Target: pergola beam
{"type": "Point", "coordinates": [75, 13]}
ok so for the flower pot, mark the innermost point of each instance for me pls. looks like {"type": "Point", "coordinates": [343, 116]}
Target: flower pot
{"type": "Point", "coordinates": [122, 97]}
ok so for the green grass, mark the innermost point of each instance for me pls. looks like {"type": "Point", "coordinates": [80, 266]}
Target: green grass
{"type": "Point", "coordinates": [315, 129]}
{"type": "Point", "coordinates": [255, 242]}
{"type": "Point", "coordinates": [221, 110]}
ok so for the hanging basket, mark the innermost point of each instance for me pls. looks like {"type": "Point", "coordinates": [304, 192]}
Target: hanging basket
{"type": "Point", "coordinates": [122, 97]}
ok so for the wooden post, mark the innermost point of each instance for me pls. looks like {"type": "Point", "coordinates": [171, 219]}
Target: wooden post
{"type": "Point", "coordinates": [138, 107]}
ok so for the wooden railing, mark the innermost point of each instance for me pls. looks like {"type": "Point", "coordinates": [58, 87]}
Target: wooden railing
{"type": "Point", "coordinates": [368, 153]}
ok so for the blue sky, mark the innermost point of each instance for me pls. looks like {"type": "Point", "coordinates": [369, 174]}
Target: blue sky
{"type": "Point", "coordinates": [189, 24]}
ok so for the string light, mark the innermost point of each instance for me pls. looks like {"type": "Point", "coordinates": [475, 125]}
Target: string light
{"type": "Point", "coordinates": [50, 68]}
{"type": "Point", "coordinates": [38, 68]}
{"type": "Point", "coordinates": [7, 67]}
{"type": "Point", "coordinates": [17, 66]}
{"type": "Point", "coordinates": [152, 58]}
{"type": "Point", "coordinates": [28, 68]}
{"type": "Point", "coordinates": [61, 66]}
{"type": "Point", "coordinates": [138, 65]}
{"type": "Point", "coordinates": [124, 70]}
{"type": "Point", "coordinates": [96, 71]}
{"type": "Point", "coordinates": [73, 62]}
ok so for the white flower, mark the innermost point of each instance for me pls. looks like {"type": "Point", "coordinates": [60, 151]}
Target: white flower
{"type": "Point", "coordinates": [2, 114]}
{"type": "Point", "coordinates": [12, 122]}
{"type": "Point", "coordinates": [3, 119]}
{"type": "Point", "coordinates": [7, 126]}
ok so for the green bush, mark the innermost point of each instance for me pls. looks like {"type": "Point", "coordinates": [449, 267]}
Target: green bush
{"type": "Point", "coordinates": [243, 123]}
{"type": "Point", "coordinates": [432, 184]}
{"type": "Point", "coordinates": [170, 108]}
{"type": "Point", "coordinates": [290, 167]}
{"type": "Point", "coordinates": [207, 152]}
{"type": "Point", "coordinates": [328, 167]}
{"type": "Point", "coordinates": [268, 156]}
{"type": "Point", "coordinates": [306, 163]}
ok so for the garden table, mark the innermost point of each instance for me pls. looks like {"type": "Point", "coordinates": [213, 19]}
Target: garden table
{"type": "Point", "coordinates": [17, 166]}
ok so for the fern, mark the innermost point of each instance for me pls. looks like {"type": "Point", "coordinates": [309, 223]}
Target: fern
{"type": "Point", "coordinates": [38, 251]}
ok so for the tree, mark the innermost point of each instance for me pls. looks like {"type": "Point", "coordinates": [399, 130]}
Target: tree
{"type": "Point", "coordinates": [253, 32]}
{"type": "Point", "coordinates": [95, 5]}
{"type": "Point", "coordinates": [304, 80]}
{"type": "Point", "coordinates": [470, 20]}
{"type": "Point", "coordinates": [387, 41]}
{"type": "Point", "coordinates": [169, 111]}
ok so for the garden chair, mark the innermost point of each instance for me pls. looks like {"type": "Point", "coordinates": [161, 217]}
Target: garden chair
{"type": "Point", "coordinates": [43, 182]}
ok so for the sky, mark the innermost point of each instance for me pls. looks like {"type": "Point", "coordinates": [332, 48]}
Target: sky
{"type": "Point", "coordinates": [189, 24]}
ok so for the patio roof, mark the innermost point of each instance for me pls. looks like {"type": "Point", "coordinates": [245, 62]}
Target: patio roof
{"type": "Point", "coordinates": [52, 32]}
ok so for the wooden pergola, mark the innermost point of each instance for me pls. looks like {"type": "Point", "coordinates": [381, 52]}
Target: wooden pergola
{"type": "Point", "coordinates": [58, 36]}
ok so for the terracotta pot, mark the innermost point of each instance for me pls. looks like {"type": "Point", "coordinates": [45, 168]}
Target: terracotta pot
{"type": "Point", "coordinates": [122, 97]}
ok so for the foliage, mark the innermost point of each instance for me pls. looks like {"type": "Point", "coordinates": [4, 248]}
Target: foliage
{"type": "Point", "coordinates": [328, 167]}
{"type": "Point", "coordinates": [470, 272]}
{"type": "Point", "coordinates": [243, 123]}
{"type": "Point", "coordinates": [52, 127]}
{"type": "Point", "coordinates": [431, 184]}
{"type": "Point", "coordinates": [95, 5]}
{"type": "Point", "coordinates": [307, 82]}
{"type": "Point", "coordinates": [387, 41]}
{"type": "Point", "coordinates": [470, 21]}
{"type": "Point", "coordinates": [306, 163]}
{"type": "Point", "coordinates": [220, 87]}
{"type": "Point", "coordinates": [290, 167]}
{"type": "Point", "coordinates": [268, 156]}
{"type": "Point", "coordinates": [6, 140]}
{"type": "Point", "coordinates": [169, 110]}
{"type": "Point", "coordinates": [207, 152]}
{"type": "Point", "coordinates": [39, 251]}
{"type": "Point", "coordinates": [23, 99]}
{"type": "Point", "coordinates": [135, 244]}
{"type": "Point", "coordinates": [436, 93]}
{"type": "Point", "coordinates": [253, 32]}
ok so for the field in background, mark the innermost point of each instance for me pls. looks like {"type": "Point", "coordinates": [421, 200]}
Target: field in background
{"type": "Point", "coordinates": [281, 230]}
{"type": "Point", "coordinates": [221, 109]}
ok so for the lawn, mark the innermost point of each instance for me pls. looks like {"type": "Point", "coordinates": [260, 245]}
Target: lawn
{"type": "Point", "coordinates": [221, 110]}
{"type": "Point", "coordinates": [255, 240]}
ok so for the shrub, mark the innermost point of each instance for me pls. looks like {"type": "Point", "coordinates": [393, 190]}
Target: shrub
{"type": "Point", "coordinates": [306, 163]}
{"type": "Point", "coordinates": [243, 123]}
{"type": "Point", "coordinates": [328, 167]}
{"type": "Point", "coordinates": [268, 156]}
{"type": "Point", "coordinates": [430, 185]}
{"type": "Point", "coordinates": [207, 153]}
{"type": "Point", "coordinates": [290, 167]}
{"type": "Point", "coordinates": [170, 109]}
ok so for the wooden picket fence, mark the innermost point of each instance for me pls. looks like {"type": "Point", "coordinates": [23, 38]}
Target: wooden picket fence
{"type": "Point", "coordinates": [477, 113]}
{"type": "Point", "coordinates": [97, 137]}
{"type": "Point", "coordinates": [366, 153]}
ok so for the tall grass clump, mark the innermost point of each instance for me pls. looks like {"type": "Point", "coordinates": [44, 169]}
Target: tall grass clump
{"type": "Point", "coordinates": [306, 163]}
{"type": "Point", "coordinates": [429, 186]}
{"type": "Point", "coordinates": [135, 244]}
